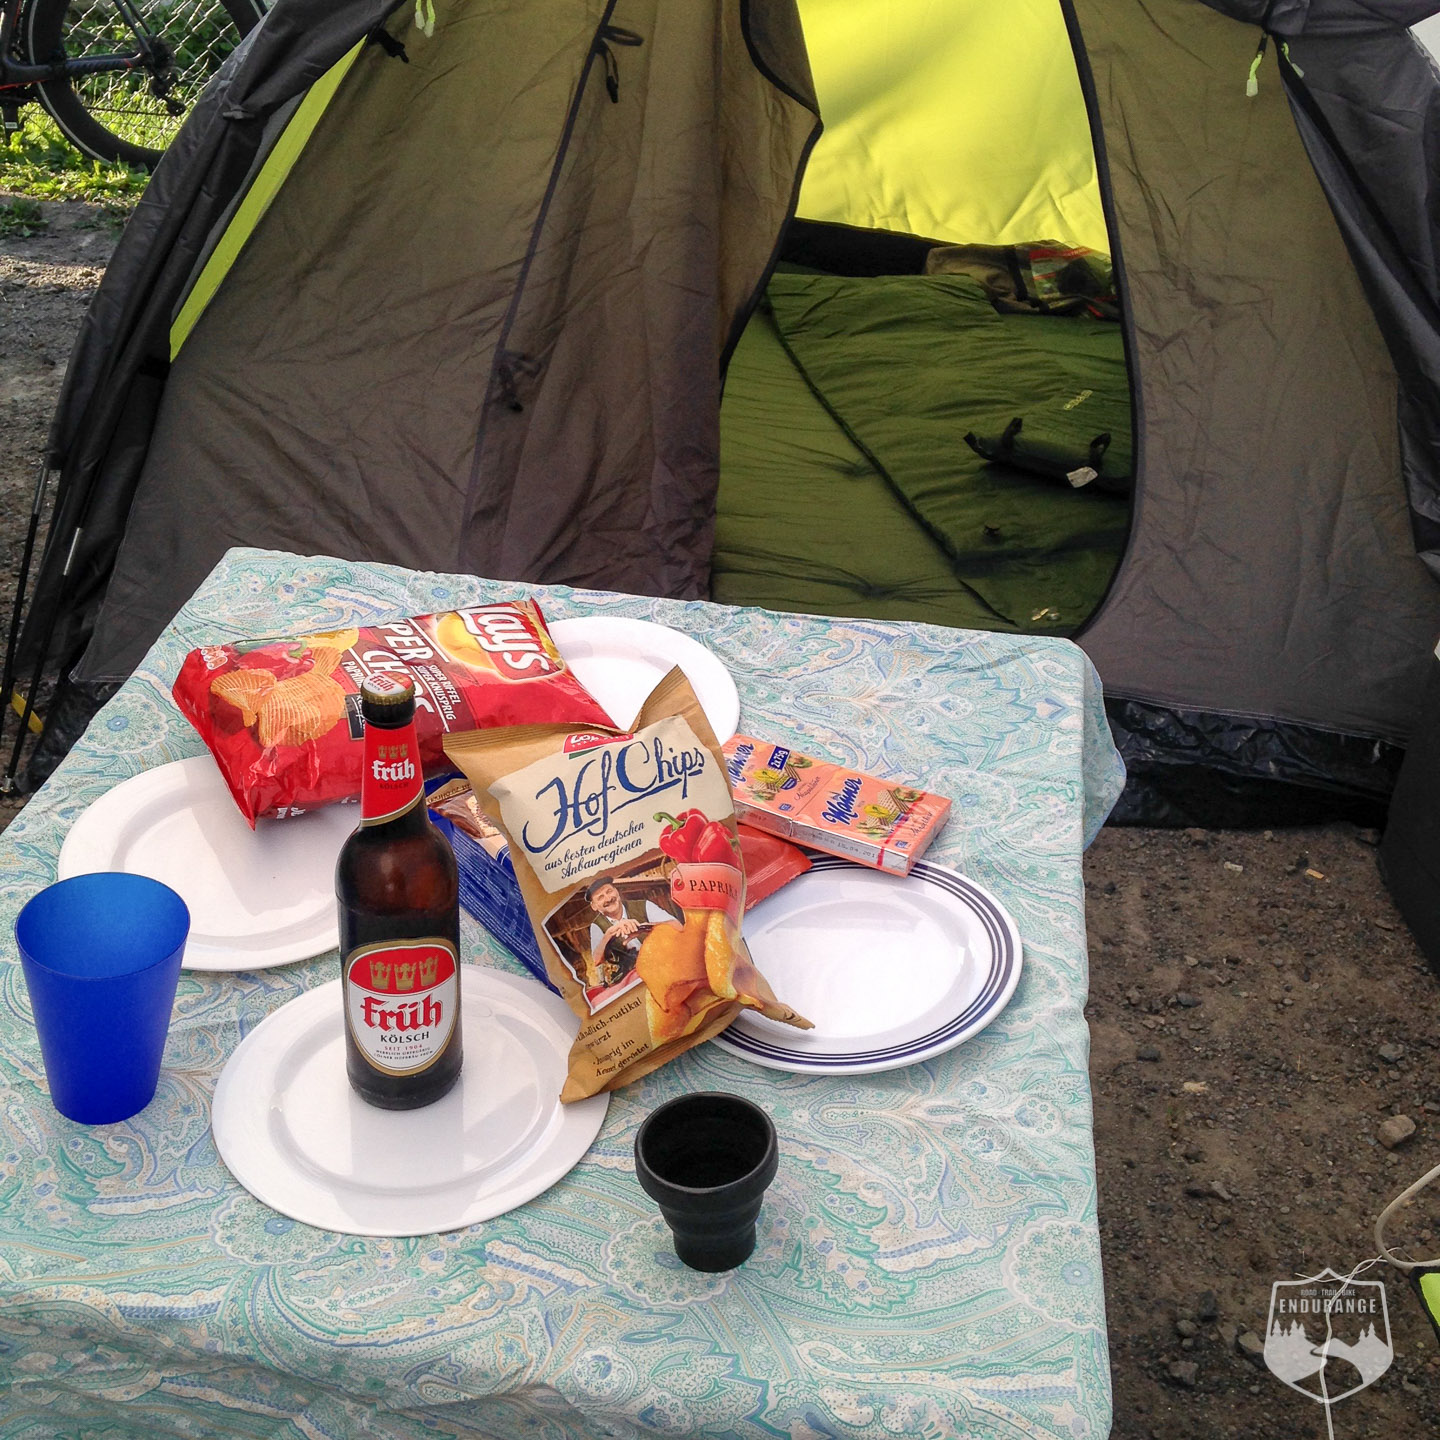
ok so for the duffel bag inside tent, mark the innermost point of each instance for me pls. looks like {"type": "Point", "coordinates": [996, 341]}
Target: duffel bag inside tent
{"type": "Point", "coordinates": [1107, 318]}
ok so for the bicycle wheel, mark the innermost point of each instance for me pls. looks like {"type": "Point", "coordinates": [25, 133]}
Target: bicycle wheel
{"type": "Point", "coordinates": [116, 115]}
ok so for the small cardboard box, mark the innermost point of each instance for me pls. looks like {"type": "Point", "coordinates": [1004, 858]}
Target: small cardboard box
{"type": "Point", "coordinates": [831, 807]}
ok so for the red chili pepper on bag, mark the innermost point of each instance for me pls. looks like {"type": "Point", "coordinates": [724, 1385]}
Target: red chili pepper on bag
{"type": "Point", "coordinates": [716, 846]}
{"type": "Point", "coordinates": [679, 837]}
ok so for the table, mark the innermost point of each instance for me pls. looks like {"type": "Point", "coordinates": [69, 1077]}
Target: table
{"type": "Point", "coordinates": [928, 1261]}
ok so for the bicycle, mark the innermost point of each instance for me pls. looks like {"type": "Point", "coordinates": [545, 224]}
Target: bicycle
{"type": "Point", "coordinates": [116, 76]}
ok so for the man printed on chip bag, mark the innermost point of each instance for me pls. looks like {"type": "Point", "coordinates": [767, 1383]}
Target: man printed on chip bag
{"type": "Point", "coordinates": [650, 812]}
{"type": "Point", "coordinates": [618, 930]}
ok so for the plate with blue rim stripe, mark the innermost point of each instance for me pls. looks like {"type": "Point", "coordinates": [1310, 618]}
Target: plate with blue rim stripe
{"type": "Point", "coordinates": [892, 969]}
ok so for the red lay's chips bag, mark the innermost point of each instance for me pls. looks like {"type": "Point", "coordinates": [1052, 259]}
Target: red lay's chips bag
{"type": "Point", "coordinates": [282, 716]}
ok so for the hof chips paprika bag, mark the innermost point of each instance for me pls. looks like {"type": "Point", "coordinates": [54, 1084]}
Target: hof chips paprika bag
{"type": "Point", "coordinates": [626, 853]}
{"type": "Point", "coordinates": [282, 716]}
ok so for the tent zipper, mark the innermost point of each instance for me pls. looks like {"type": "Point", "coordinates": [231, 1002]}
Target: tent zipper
{"type": "Point", "coordinates": [510, 368]}
{"type": "Point", "coordinates": [388, 43]}
{"type": "Point", "coordinates": [1252, 85]}
{"type": "Point", "coordinates": [513, 366]}
{"type": "Point", "coordinates": [614, 35]}
{"type": "Point", "coordinates": [501, 383]}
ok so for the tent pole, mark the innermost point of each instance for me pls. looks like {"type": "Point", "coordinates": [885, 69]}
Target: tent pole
{"type": "Point", "coordinates": [7, 784]}
{"type": "Point", "coordinates": [22, 582]}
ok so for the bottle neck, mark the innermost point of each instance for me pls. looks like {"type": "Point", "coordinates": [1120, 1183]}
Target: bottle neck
{"type": "Point", "coordinates": [391, 783]}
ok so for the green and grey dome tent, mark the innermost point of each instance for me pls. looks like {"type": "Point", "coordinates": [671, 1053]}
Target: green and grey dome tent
{"type": "Point", "coordinates": [455, 285]}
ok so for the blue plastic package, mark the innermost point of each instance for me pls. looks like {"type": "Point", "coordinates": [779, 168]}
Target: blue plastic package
{"type": "Point", "coordinates": [488, 889]}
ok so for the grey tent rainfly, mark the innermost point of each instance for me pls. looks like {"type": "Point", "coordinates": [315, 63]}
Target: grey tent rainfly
{"type": "Point", "coordinates": [457, 287]}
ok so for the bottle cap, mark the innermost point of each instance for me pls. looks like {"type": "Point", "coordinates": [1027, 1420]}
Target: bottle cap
{"type": "Point", "coordinates": [386, 697]}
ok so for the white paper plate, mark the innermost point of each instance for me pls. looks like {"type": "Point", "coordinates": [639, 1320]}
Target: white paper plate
{"type": "Point", "coordinates": [295, 1135]}
{"type": "Point", "coordinates": [891, 969]}
{"type": "Point", "coordinates": [257, 898]}
{"type": "Point", "coordinates": [620, 661]}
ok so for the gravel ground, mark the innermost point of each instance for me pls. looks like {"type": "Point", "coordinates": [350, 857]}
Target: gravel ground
{"type": "Point", "coordinates": [1259, 1015]}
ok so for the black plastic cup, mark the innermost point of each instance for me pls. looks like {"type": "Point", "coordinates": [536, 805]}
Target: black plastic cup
{"type": "Point", "coordinates": [706, 1161]}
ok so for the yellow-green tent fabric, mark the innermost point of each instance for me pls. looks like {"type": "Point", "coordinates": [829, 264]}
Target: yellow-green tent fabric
{"type": "Point", "coordinates": [960, 121]}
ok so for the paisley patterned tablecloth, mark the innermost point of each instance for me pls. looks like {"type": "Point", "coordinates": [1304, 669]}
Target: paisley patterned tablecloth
{"type": "Point", "coordinates": [928, 1262]}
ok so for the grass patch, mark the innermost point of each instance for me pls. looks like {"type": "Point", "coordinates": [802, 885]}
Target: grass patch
{"type": "Point", "coordinates": [20, 217]}
{"type": "Point", "coordinates": [39, 164]}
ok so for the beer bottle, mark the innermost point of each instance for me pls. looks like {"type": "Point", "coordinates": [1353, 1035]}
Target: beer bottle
{"type": "Point", "coordinates": [399, 902]}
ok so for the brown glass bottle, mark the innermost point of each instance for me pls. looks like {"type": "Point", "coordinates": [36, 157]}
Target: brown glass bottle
{"type": "Point", "coordinates": [399, 900]}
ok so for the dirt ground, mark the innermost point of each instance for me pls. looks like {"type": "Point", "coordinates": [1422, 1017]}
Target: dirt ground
{"type": "Point", "coordinates": [1258, 1011]}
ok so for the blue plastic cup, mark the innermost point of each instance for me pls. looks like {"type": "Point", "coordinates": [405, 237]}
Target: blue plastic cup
{"type": "Point", "coordinates": [101, 955]}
